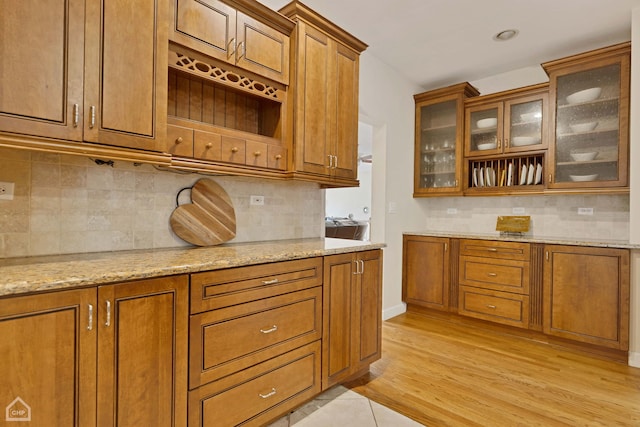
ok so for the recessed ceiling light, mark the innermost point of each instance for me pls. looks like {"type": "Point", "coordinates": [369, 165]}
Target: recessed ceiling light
{"type": "Point", "coordinates": [505, 35]}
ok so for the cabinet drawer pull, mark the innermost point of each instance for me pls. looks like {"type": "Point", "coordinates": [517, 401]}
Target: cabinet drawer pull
{"type": "Point", "coordinates": [278, 156]}
{"type": "Point", "coordinates": [491, 306]}
{"type": "Point", "coordinates": [492, 274]}
{"type": "Point", "coordinates": [209, 145]}
{"type": "Point", "coordinates": [108, 322]}
{"type": "Point", "coordinates": [271, 393]}
{"type": "Point", "coordinates": [492, 249]}
{"type": "Point", "coordinates": [90, 325]}
{"type": "Point", "coordinates": [257, 153]}
{"type": "Point", "coordinates": [179, 140]}
{"type": "Point", "coordinates": [234, 150]}
{"type": "Point", "coordinates": [270, 282]}
{"type": "Point", "coordinates": [268, 331]}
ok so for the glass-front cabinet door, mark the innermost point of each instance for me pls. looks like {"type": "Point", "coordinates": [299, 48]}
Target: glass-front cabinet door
{"type": "Point", "coordinates": [438, 146]}
{"type": "Point", "coordinates": [484, 129]}
{"type": "Point", "coordinates": [591, 120]}
{"type": "Point", "coordinates": [524, 124]}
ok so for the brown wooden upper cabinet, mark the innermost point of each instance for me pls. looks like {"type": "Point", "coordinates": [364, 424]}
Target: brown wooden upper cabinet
{"type": "Point", "coordinates": [439, 140]}
{"type": "Point", "coordinates": [234, 32]}
{"type": "Point", "coordinates": [509, 122]}
{"type": "Point", "coordinates": [590, 119]}
{"type": "Point", "coordinates": [324, 111]}
{"type": "Point", "coordinates": [73, 71]}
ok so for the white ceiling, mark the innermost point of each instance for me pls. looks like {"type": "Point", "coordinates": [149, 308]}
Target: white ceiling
{"type": "Point", "coordinates": [435, 43]}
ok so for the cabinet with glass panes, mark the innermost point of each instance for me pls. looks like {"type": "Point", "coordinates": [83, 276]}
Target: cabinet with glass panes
{"type": "Point", "coordinates": [506, 141]}
{"type": "Point", "coordinates": [590, 95]}
{"type": "Point", "coordinates": [438, 140]}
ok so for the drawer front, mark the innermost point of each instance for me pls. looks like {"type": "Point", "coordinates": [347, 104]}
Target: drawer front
{"type": "Point", "coordinates": [493, 249]}
{"type": "Point", "coordinates": [490, 273]}
{"type": "Point", "coordinates": [500, 307]}
{"type": "Point", "coordinates": [257, 154]}
{"type": "Point", "coordinates": [228, 340]}
{"type": "Point", "coordinates": [259, 394]}
{"type": "Point", "coordinates": [232, 286]}
{"type": "Point", "coordinates": [179, 141]}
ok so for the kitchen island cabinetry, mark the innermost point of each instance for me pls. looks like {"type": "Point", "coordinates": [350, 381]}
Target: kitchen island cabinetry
{"type": "Point", "coordinates": [586, 295]}
{"type": "Point", "coordinates": [352, 318]}
{"type": "Point", "coordinates": [48, 350]}
{"type": "Point", "coordinates": [426, 281]}
{"type": "Point", "coordinates": [94, 82]}
{"type": "Point", "coordinates": [116, 354]}
{"type": "Point", "coordinates": [324, 111]}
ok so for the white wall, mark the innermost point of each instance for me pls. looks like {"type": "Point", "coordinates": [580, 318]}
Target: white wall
{"type": "Point", "coordinates": [386, 103]}
{"type": "Point", "coordinates": [634, 198]}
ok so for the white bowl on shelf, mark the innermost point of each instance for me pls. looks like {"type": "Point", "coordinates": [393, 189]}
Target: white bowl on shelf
{"type": "Point", "coordinates": [487, 146]}
{"type": "Point", "coordinates": [583, 127]}
{"type": "Point", "coordinates": [584, 156]}
{"type": "Point", "coordinates": [519, 141]}
{"type": "Point", "coordinates": [487, 123]}
{"type": "Point", "coordinates": [586, 95]}
{"type": "Point", "coordinates": [530, 117]}
{"type": "Point", "coordinates": [583, 178]}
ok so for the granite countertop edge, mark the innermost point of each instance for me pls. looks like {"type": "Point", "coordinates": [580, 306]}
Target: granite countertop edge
{"type": "Point", "coordinates": [49, 273]}
{"type": "Point", "coordinates": [602, 243]}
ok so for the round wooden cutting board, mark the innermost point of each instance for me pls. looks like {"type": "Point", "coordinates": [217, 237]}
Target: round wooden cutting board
{"type": "Point", "coordinates": [209, 219]}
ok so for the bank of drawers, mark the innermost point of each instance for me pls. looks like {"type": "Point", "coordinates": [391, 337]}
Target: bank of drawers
{"type": "Point", "coordinates": [254, 337]}
{"type": "Point", "coordinates": [494, 281]}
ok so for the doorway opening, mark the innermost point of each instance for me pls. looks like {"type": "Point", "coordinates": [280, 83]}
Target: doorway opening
{"type": "Point", "coordinates": [348, 210]}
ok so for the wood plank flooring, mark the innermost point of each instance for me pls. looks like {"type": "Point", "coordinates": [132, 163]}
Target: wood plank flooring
{"type": "Point", "coordinates": [443, 373]}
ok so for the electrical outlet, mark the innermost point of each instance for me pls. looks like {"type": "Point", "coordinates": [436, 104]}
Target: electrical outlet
{"type": "Point", "coordinates": [585, 211]}
{"type": "Point", "coordinates": [256, 200]}
{"type": "Point", "coordinates": [6, 190]}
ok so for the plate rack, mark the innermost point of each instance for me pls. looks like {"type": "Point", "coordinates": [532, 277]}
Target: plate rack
{"type": "Point", "coordinates": [508, 174]}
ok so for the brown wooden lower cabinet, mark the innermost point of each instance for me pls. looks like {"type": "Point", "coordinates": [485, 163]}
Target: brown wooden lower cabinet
{"type": "Point", "coordinates": [586, 295]}
{"type": "Point", "coordinates": [352, 319]}
{"type": "Point", "coordinates": [425, 272]}
{"type": "Point", "coordinates": [255, 395]}
{"type": "Point", "coordinates": [112, 356]}
{"type": "Point", "coordinates": [577, 293]}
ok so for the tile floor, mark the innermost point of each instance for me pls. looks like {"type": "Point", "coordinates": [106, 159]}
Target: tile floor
{"type": "Point", "coordinates": [340, 407]}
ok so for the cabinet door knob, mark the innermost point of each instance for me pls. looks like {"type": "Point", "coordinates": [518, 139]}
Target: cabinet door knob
{"type": "Point", "coordinates": [179, 140]}
{"type": "Point", "coordinates": [234, 150]}
{"type": "Point", "coordinates": [209, 145]}
{"type": "Point", "coordinates": [278, 156]}
{"type": "Point", "coordinates": [257, 153]}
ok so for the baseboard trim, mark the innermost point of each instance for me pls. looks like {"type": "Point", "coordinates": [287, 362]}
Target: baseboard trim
{"type": "Point", "coordinates": [634, 359]}
{"type": "Point", "coordinates": [394, 311]}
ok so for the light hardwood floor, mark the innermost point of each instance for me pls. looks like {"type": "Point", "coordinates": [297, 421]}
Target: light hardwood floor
{"type": "Point", "coordinates": [443, 373]}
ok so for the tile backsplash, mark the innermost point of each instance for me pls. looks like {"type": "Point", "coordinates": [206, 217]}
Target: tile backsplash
{"type": "Point", "coordinates": [69, 204]}
{"type": "Point", "coordinates": [551, 215]}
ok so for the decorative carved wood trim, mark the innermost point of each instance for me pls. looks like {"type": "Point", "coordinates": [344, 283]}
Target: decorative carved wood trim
{"type": "Point", "coordinates": [535, 287]}
{"type": "Point", "coordinates": [454, 274]}
{"type": "Point", "coordinates": [210, 71]}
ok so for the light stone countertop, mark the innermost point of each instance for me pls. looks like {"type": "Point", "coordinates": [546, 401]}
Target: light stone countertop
{"type": "Point", "coordinates": [37, 274]}
{"type": "Point", "coordinates": [620, 244]}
